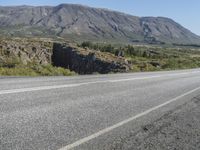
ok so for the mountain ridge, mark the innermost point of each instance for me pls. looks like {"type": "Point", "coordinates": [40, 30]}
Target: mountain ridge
{"type": "Point", "coordinates": [80, 22]}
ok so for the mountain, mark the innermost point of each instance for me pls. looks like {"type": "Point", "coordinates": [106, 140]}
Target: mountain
{"type": "Point", "coordinates": [83, 23]}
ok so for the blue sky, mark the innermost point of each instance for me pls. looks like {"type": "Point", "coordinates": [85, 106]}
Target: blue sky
{"type": "Point", "coordinates": [185, 12]}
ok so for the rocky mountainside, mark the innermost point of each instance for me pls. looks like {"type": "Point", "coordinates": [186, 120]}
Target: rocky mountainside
{"type": "Point", "coordinates": [79, 22]}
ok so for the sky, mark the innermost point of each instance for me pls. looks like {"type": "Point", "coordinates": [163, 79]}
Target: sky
{"type": "Point", "coordinates": [185, 12]}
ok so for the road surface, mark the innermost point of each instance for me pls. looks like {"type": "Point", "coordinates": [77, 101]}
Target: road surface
{"type": "Point", "coordinates": [87, 112]}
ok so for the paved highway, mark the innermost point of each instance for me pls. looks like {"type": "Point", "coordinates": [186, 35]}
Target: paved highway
{"type": "Point", "coordinates": [87, 112]}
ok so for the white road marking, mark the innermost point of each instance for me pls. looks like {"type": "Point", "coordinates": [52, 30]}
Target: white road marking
{"type": "Point", "coordinates": [12, 91]}
{"type": "Point", "coordinates": [45, 88]}
{"type": "Point", "coordinates": [108, 129]}
{"type": "Point", "coordinates": [156, 76]}
{"type": "Point", "coordinates": [131, 79]}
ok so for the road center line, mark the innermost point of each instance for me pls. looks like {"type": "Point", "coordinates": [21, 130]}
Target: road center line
{"type": "Point", "coordinates": [41, 88]}
{"type": "Point", "coordinates": [108, 129]}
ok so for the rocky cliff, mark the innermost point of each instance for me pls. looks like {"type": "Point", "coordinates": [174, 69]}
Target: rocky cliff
{"type": "Point", "coordinates": [85, 61]}
{"type": "Point", "coordinates": [25, 50]}
{"type": "Point", "coordinates": [45, 51]}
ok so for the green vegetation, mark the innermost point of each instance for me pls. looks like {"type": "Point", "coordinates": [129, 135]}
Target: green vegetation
{"type": "Point", "coordinates": [13, 67]}
{"type": "Point", "coordinates": [32, 57]}
{"type": "Point", "coordinates": [98, 46]}
{"type": "Point", "coordinates": [152, 58]}
{"type": "Point", "coordinates": [35, 70]}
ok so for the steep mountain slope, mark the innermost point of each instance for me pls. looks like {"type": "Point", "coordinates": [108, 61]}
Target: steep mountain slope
{"type": "Point", "coordinates": [79, 22]}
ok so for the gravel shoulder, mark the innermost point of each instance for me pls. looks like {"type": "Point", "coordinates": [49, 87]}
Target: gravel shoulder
{"type": "Point", "coordinates": [178, 129]}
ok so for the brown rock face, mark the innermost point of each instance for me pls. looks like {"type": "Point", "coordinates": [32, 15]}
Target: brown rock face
{"type": "Point", "coordinates": [25, 50]}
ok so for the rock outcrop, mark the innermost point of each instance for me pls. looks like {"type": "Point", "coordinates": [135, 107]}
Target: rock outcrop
{"type": "Point", "coordinates": [86, 61]}
{"type": "Point", "coordinates": [25, 50]}
{"type": "Point", "coordinates": [45, 51]}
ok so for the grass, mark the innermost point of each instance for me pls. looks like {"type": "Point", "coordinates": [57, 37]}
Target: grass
{"type": "Point", "coordinates": [140, 57]}
{"type": "Point", "coordinates": [152, 58]}
{"type": "Point", "coordinates": [35, 70]}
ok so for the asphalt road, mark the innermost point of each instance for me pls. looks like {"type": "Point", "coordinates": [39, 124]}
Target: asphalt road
{"type": "Point", "coordinates": [87, 112]}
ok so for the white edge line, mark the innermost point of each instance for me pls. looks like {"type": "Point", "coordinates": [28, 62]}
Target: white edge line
{"type": "Point", "coordinates": [108, 129]}
{"type": "Point", "coordinates": [45, 88]}
{"type": "Point", "coordinates": [12, 91]}
{"type": "Point", "coordinates": [131, 79]}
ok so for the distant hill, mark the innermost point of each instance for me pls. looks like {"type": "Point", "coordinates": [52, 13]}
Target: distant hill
{"type": "Point", "coordinates": [83, 23]}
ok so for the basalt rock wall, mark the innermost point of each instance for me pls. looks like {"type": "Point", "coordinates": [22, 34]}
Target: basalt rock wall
{"type": "Point", "coordinates": [85, 61]}
{"type": "Point", "coordinates": [82, 61]}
